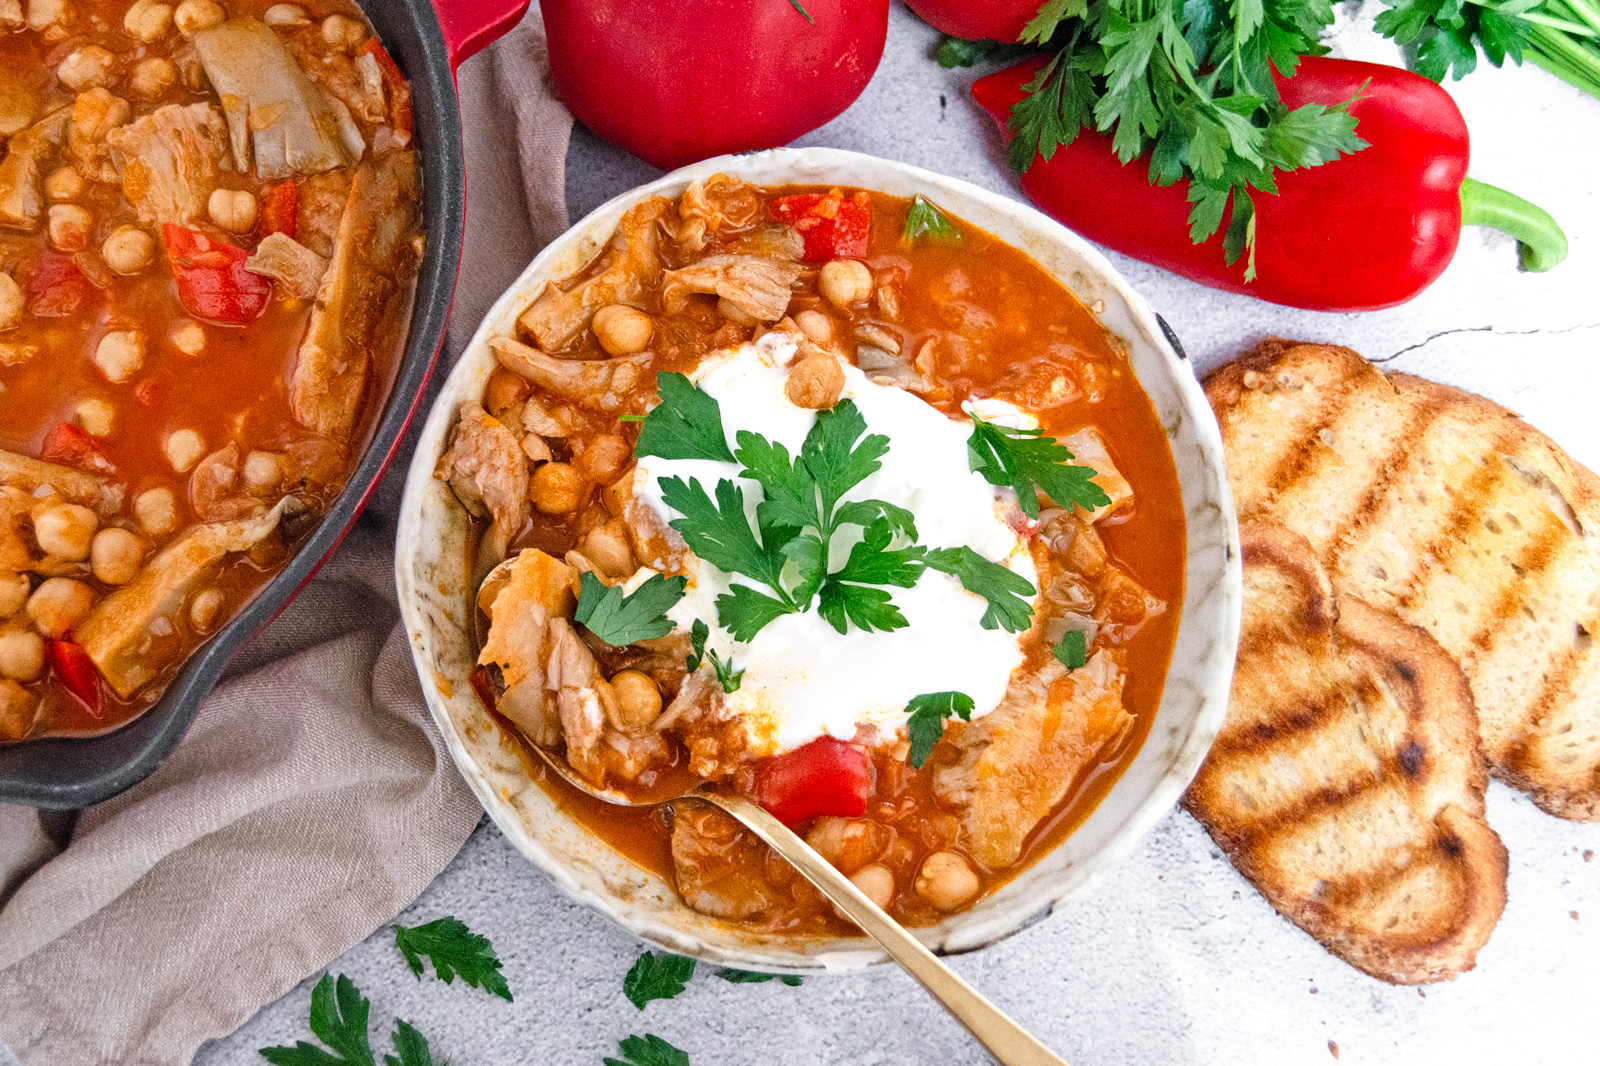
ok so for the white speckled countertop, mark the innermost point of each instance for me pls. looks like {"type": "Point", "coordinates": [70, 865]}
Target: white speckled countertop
{"type": "Point", "coordinates": [1173, 959]}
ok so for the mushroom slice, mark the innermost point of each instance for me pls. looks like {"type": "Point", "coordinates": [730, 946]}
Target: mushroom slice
{"type": "Point", "coordinates": [288, 262]}
{"type": "Point", "coordinates": [758, 285]}
{"type": "Point", "coordinates": [601, 384]}
{"type": "Point", "coordinates": [101, 495]}
{"type": "Point", "coordinates": [557, 317]}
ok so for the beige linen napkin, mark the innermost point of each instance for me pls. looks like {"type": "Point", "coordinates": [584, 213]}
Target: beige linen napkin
{"type": "Point", "coordinates": [313, 798]}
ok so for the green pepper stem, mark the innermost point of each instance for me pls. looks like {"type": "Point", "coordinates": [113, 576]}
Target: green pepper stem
{"type": "Point", "coordinates": [1543, 244]}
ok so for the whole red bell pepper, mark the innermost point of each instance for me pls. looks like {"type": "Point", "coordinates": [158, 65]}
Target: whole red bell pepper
{"type": "Point", "coordinates": [673, 82]}
{"type": "Point", "coordinates": [1363, 232]}
{"type": "Point", "coordinates": [826, 776]}
{"type": "Point", "coordinates": [975, 20]}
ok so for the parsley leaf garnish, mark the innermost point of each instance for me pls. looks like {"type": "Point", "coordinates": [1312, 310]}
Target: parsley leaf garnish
{"type": "Point", "coordinates": [727, 676]}
{"type": "Point", "coordinates": [620, 619]}
{"type": "Point", "coordinates": [798, 6]}
{"type": "Point", "coordinates": [686, 424]}
{"type": "Point", "coordinates": [1073, 649]}
{"type": "Point", "coordinates": [339, 1019]}
{"type": "Point", "coordinates": [837, 455]}
{"type": "Point", "coordinates": [719, 532]}
{"type": "Point", "coordinates": [1025, 458]}
{"type": "Point", "coordinates": [925, 218]}
{"type": "Point", "coordinates": [656, 977]}
{"type": "Point", "coordinates": [750, 977]}
{"type": "Point", "coordinates": [648, 1050]}
{"type": "Point", "coordinates": [454, 949]}
{"type": "Point", "coordinates": [926, 724]}
{"type": "Point", "coordinates": [411, 1045]}
{"type": "Point", "coordinates": [1010, 595]}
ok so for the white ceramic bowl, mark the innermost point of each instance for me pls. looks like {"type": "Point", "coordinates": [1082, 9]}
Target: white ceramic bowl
{"type": "Point", "coordinates": [432, 570]}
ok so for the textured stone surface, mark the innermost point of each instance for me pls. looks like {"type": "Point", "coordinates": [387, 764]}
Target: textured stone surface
{"type": "Point", "coordinates": [1173, 959]}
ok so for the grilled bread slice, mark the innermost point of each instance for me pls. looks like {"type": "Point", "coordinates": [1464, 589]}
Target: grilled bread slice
{"type": "Point", "coordinates": [1346, 783]}
{"type": "Point", "coordinates": [1452, 513]}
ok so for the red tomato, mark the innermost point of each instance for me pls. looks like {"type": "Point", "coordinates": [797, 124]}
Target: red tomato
{"type": "Point", "coordinates": [56, 287]}
{"type": "Point", "coordinates": [831, 225]}
{"type": "Point", "coordinates": [975, 20]}
{"type": "Point", "coordinates": [77, 672]}
{"type": "Point", "coordinates": [71, 446]}
{"type": "Point", "coordinates": [826, 776]}
{"type": "Point", "coordinates": [674, 82]}
{"type": "Point", "coordinates": [399, 89]}
{"type": "Point", "coordinates": [278, 206]}
{"type": "Point", "coordinates": [212, 281]}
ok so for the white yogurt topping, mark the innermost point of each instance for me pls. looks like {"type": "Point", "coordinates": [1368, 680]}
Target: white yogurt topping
{"type": "Point", "coordinates": [802, 678]}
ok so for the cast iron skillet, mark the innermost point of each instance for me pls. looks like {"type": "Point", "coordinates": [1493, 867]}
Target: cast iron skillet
{"type": "Point", "coordinates": [428, 45]}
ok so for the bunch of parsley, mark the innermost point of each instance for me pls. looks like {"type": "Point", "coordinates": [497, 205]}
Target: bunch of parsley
{"type": "Point", "coordinates": [1188, 83]}
{"type": "Point", "coordinates": [1562, 36]}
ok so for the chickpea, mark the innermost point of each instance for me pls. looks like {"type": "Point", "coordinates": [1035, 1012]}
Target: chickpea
{"type": "Point", "coordinates": [608, 548]}
{"type": "Point", "coordinates": [605, 457]}
{"type": "Point", "coordinates": [58, 604]}
{"type": "Point", "coordinates": [86, 68]}
{"type": "Point", "coordinates": [557, 488]}
{"type": "Point", "coordinates": [736, 314]}
{"type": "Point", "coordinates": [14, 589]}
{"type": "Point", "coordinates": [21, 654]}
{"type": "Point", "coordinates": [876, 882]}
{"type": "Point", "coordinates": [116, 555]}
{"type": "Point", "coordinates": [286, 15]}
{"type": "Point", "coordinates": [96, 113]}
{"type": "Point", "coordinates": [184, 449]}
{"type": "Point", "coordinates": [849, 843]}
{"type": "Point", "coordinates": [11, 301]}
{"type": "Point", "coordinates": [204, 608]}
{"type": "Point", "coordinates": [815, 382]}
{"type": "Point", "coordinates": [69, 227]}
{"type": "Point", "coordinates": [638, 699]}
{"type": "Point", "coordinates": [343, 32]}
{"type": "Point", "coordinates": [622, 330]}
{"type": "Point", "coordinates": [95, 416]}
{"type": "Point", "coordinates": [128, 250]}
{"type": "Point", "coordinates": [188, 337]}
{"type": "Point", "coordinates": [65, 531]}
{"type": "Point", "coordinates": [64, 183]}
{"type": "Point", "coordinates": [157, 511]}
{"type": "Point", "coordinates": [844, 282]}
{"type": "Point", "coordinates": [148, 20]}
{"type": "Point", "coordinates": [193, 16]}
{"type": "Point", "coordinates": [263, 473]}
{"type": "Point", "coordinates": [946, 880]}
{"type": "Point", "coordinates": [232, 209]}
{"type": "Point", "coordinates": [152, 76]}
{"type": "Point", "coordinates": [815, 325]}
{"type": "Point", "coordinates": [120, 354]}
{"type": "Point", "coordinates": [504, 391]}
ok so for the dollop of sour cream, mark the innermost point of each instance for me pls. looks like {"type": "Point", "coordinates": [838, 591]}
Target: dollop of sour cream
{"type": "Point", "coordinates": [802, 678]}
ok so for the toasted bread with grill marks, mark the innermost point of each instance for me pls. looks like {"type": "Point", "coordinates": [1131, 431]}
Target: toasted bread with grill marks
{"type": "Point", "coordinates": [1452, 513]}
{"type": "Point", "coordinates": [1346, 783]}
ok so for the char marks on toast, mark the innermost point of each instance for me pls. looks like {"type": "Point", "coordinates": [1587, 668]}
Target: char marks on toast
{"type": "Point", "coordinates": [1451, 512]}
{"type": "Point", "coordinates": [1346, 783]}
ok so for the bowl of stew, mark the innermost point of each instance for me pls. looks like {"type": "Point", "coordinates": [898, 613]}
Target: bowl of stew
{"type": "Point", "coordinates": [228, 236]}
{"type": "Point", "coordinates": [853, 488]}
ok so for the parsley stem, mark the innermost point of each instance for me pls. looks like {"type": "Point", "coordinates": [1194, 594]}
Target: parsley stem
{"type": "Point", "coordinates": [1566, 59]}
{"type": "Point", "coordinates": [1583, 9]}
{"type": "Point", "coordinates": [1545, 20]}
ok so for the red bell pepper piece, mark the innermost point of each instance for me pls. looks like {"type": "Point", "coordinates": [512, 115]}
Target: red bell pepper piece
{"type": "Point", "coordinates": [483, 684]}
{"type": "Point", "coordinates": [212, 281]}
{"type": "Point", "coordinates": [832, 226]}
{"type": "Point", "coordinates": [76, 672]}
{"type": "Point", "coordinates": [278, 206]}
{"type": "Point", "coordinates": [399, 88]}
{"type": "Point", "coordinates": [70, 446]}
{"type": "Point", "coordinates": [826, 776]}
{"type": "Point", "coordinates": [56, 287]}
{"type": "Point", "coordinates": [1363, 232]}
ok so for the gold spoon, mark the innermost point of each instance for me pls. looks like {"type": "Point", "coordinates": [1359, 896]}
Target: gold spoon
{"type": "Point", "coordinates": [1008, 1042]}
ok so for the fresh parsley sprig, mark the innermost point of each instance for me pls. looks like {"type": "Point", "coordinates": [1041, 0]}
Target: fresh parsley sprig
{"type": "Point", "coordinates": [1562, 36]}
{"type": "Point", "coordinates": [1025, 458]}
{"type": "Point", "coordinates": [750, 977]}
{"type": "Point", "coordinates": [655, 976]}
{"type": "Point", "coordinates": [729, 678]}
{"type": "Point", "coordinates": [453, 949]}
{"type": "Point", "coordinates": [339, 1014]}
{"type": "Point", "coordinates": [620, 619]}
{"type": "Point", "coordinates": [925, 218]}
{"type": "Point", "coordinates": [648, 1050]}
{"type": "Point", "coordinates": [1010, 595]}
{"type": "Point", "coordinates": [926, 722]}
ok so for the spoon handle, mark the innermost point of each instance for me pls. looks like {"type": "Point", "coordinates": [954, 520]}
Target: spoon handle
{"type": "Point", "coordinates": [1008, 1042]}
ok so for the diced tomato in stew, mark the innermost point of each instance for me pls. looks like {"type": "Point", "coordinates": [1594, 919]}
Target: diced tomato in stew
{"type": "Point", "coordinates": [832, 226]}
{"type": "Point", "coordinates": [213, 283]}
{"type": "Point", "coordinates": [399, 90]}
{"type": "Point", "coordinates": [57, 288]}
{"type": "Point", "coordinates": [76, 672]}
{"type": "Point", "coordinates": [278, 206]}
{"type": "Point", "coordinates": [70, 446]}
{"type": "Point", "coordinates": [826, 776]}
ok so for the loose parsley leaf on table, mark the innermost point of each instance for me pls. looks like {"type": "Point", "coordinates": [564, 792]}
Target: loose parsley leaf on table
{"type": "Point", "coordinates": [648, 1050]}
{"type": "Point", "coordinates": [750, 977]}
{"type": "Point", "coordinates": [339, 1019]}
{"type": "Point", "coordinates": [454, 949]}
{"type": "Point", "coordinates": [925, 218]}
{"type": "Point", "coordinates": [620, 619]}
{"type": "Point", "coordinates": [1009, 593]}
{"type": "Point", "coordinates": [926, 724]}
{"type": "Point", "coordinates": [411, 1045]}
{"type": "Point", "coordinates": [656, 977]}
{"type": "Point", "coordinates": [686, 424]}
{"type": "Point", "coordinates": [1025, 458]}
{"type": "Point", "coordinates": [954, 52]}
{"type": "Point", "coordinates": [1073, 649]}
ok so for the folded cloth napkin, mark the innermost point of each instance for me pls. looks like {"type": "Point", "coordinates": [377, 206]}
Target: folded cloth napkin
{"type": "Point", "coordinates": [313, 798]}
